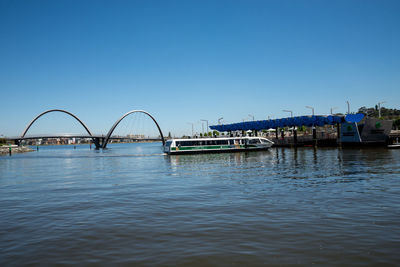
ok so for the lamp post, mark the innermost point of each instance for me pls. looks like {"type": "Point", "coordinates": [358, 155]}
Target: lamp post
{"type": "Point", "coordinates": [291, 115]}
{"type": "Point", "coordinates": [291, 112]}
{"type": "Point", "coordinates": [314, 130]}
{"type": "Point", "coordinates": [219, 120]}
{"type": "Point", "coordinates": [207, 125]}
{"type": "Point", "coordinates": [192, 126]}
{"type": "Point", "coordinates": [348, 107]}
{"type": "Point", "coordinates": [312, 108]}
{"type": "Point", "coordinates": [379, 107]}
{"type": "Point", "coordinates": [332, 108]}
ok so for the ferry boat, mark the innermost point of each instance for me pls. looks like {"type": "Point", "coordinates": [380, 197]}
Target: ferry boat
{"type": "Point", "coordinates": [213, 145]}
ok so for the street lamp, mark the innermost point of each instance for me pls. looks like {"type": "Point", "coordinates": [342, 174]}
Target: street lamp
{"type": "Point", "coordinates": [312, 108]}
{"type": "Point", "coordinates": [207, 124]}
{"type": "Point", "coordinates": [291, 112]}
{"type": "Point", "coordinates": [219, 120]}
{"type": "Point", "coordinates": [379, 107]}
{"type": "Point", "coordinates": [251, 116]}
{"type": "Point", "coordinates": [192, 126]}
{"type": "Point", "coordinates": [348, 107]}
{"type": "Point", "coordinates": [291, 115]}
{"type": "Point", "coordinates": [333, 109]}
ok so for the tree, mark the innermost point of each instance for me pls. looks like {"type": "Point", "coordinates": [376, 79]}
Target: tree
{"type": "Point", "coordinates": [301, 128]}
{"type": "Point", "coordinates": [368, 112]}
{"type": "Point", "coordinates": [386, 113]}
{"type": "Point", "coordinates": [396, 123]}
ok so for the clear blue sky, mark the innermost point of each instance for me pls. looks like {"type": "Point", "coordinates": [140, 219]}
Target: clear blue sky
{"type": "Point", "coordinates": [189, 60]}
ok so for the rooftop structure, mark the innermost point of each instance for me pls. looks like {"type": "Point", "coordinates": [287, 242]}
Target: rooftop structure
{"type": "Point", "coordinates": [279, 123]}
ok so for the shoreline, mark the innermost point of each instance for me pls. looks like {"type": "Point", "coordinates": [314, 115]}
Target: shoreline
{"type": "Point", "coordinates": [14, 149]}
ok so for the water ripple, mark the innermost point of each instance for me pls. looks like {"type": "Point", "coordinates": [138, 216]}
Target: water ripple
{"type": "Point", "coordinates": [132, 205]}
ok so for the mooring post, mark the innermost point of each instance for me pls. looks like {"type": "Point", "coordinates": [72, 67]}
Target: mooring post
{"type": "Point", "coordinates": [276, 132]}
{"type": "Point", "coordinates": [96, 142]}
{"type": "Point", "coordinates": [295, 136]}
{"type": "Point", "coordinates": [314, 135]}
{"type": "Point", "coordinates": [338, 139]}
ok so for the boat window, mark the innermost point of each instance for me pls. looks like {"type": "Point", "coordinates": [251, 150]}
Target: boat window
{"type": "Point", "coordinates": [191, 143]}
{"type": "Point", "coordinates": [185, 143]}
{"type": "Point", "coordinates": [168, 143]}
{"type": "Point", "coordinates": [222, 142]}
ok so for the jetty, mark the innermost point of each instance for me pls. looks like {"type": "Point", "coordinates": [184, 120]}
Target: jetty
{"type": "Point", "coordinates": [349, 130]}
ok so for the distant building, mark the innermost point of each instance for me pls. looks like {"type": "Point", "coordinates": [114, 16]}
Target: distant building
{"type": "Point", "coordinates": [136, 136]}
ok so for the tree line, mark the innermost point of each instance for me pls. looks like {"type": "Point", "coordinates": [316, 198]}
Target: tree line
{"type": "Point", "coordinates": [386, 113]}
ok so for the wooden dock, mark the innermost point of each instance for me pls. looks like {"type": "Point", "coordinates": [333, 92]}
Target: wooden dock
{"type": "Point", "coordinates": [324, 139]}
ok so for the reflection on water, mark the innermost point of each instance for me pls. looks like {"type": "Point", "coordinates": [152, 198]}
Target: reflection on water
{"type": "Point", "coordinates": [133, 205]}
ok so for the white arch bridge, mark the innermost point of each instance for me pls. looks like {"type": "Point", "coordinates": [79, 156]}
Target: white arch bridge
{"type": "Point", "coordinates": [100, 141]}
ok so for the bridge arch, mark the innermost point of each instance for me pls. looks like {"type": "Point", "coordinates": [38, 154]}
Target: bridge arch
{"type": "Point", "coordinates": [55, 110]}
{"type": "Point", "coordinates": [107, 138]}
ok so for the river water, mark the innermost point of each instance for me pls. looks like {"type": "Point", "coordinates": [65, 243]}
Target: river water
{"type": "Point", "coordinates": [133, 205]}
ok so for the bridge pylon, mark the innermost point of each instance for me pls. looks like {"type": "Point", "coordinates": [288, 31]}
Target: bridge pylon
{"type": "Point", "coordinates": [98, 142]}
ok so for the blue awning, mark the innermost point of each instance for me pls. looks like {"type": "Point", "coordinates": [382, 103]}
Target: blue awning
{"type": "Point", "coordinates": [279, 123]}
